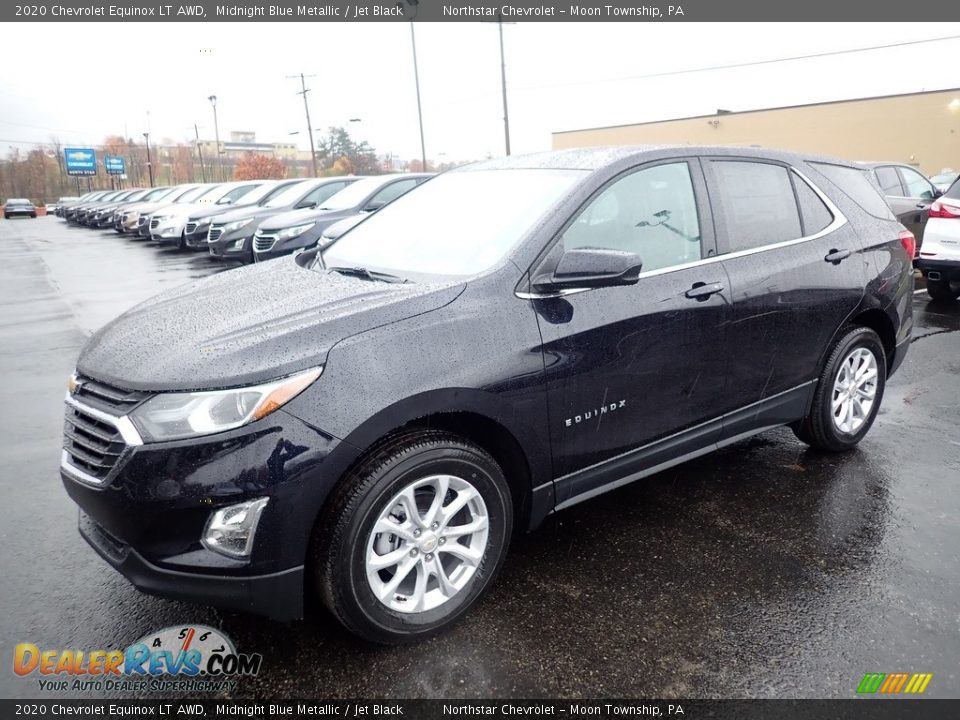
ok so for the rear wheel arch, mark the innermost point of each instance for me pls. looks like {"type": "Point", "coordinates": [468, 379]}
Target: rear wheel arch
{"type": "Point", "coordinates": [878, 321]}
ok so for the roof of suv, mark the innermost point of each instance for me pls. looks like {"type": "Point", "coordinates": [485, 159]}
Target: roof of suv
{"type": "Point", "coordinates": [594, 158]}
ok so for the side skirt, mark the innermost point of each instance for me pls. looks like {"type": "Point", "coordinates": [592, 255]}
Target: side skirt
{"type": "Point", "coordinates": [775, 411]}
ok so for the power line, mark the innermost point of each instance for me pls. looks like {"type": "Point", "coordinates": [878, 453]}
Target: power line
{"type": "Point", "coordinates": [752, 63]}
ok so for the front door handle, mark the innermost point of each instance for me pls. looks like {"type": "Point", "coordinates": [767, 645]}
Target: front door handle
{"type": "Point", "coordinates": [835, 256]}
{"type": "Point", "coordinates": [701, 291]}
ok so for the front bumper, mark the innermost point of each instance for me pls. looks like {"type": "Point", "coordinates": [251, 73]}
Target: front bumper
{"type": "Point", "coordinates": [19, 211]}
{"type": "Point", "coordinates": [284, 247]}
{"type": "Point", "coordinates": [147, 516]}
{"type": "Point", "coordinates": [278, 596]}
{"type": "Point", "coordinates": [197, 240]}
{"type": "Point", "coordinates": [223, 247]}
{"type": "Point", "coordinates": [166, 234]}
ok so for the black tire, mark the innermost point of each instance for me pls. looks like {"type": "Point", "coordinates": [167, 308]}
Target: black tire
{"type": "Point", "coordinates": [344, 531]}
{"type": "Point", "coordinates": [182, 242]}
{"type": "Point", "coordinates": [818, 429]}
{"type": "Point", "coordinates": [942, 289]}
{"type": "Point", "coordinates": [33, 215]}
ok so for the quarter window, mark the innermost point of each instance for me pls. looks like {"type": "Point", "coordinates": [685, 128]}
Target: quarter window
{"type": "Point", "coordinates": [758, 203]}
{"type": "Point", "coordinates": [651, 212]}
{"type": "Point", "coordinates": [815, 215]}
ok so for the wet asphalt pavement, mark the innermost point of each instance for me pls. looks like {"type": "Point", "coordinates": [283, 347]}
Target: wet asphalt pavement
{"type": "Point", "coordinates": [763, 570]}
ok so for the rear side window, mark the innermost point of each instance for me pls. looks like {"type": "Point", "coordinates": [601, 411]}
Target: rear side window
{"type": "Point", "coordinates": [953, 192]}
{"type": "Point", "coordinates": [916, 184]}
{"type": "Point", "coordinates": [889, 181]}
{"type": "Point", "coordinates": [814, 213]}
{"type": "Point", "coordinates": [857, 187]}
{"type": "Point", "coordinates": [758, 202]}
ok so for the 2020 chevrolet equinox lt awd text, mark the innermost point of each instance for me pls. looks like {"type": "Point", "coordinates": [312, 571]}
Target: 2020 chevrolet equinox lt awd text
{"type": "Point", "coordinates": [374, 419]}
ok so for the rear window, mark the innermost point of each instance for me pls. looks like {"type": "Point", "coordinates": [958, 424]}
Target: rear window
{"type": "Point", "coordinates": [889, 180]}
{"type": "Point", "coordinates": [857, 187]}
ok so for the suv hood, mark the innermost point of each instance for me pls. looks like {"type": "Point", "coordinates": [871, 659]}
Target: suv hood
{"type": "Point", "coordinates": [247, 326]}
{"type": "Point", "coordinates": [242, 213]}
{"type": "Point", "coordinates": [293, 218]}
{"type": "Point", "coordinates": [205, 211]}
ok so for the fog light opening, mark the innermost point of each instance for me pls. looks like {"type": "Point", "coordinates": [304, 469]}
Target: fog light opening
{"type": "Point", "coordinates": [230, 531]}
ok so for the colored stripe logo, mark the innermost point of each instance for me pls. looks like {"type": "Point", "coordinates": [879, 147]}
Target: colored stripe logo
{"type": "Point", "coordinates": [894, 683]}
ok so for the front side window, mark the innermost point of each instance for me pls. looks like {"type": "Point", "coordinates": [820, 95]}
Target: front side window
{"type": "Point", "coordinates": [651, 213]}
{"type": "Point", "coordinates": [917, 186]}
{"type": "Point", "coordinates": [758, 203]}
{"type": "Point", "coordinates": [889, 180]}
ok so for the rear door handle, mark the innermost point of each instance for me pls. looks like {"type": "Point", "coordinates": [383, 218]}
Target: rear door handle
{"type": "Point", "coordinates": [835, 256]}
{"type": "Point", "coordinates": [921, 206]}
{"type": "Point", "coordinates": [701, 291]}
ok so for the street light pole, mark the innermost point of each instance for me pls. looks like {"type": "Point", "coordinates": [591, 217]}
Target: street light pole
{"type": "Point", "coordinates": [416, 79]}
{"type": "Point", "coordinates": [503, 82]}
{"type": "Point", "coordinates": [216, 132]}
{"type": "Point", "coordinates": [146, 139]}
{"type": "Point", "coordinates": [203, 172]}
{"type": "Point", "coordinates": [306, 110]}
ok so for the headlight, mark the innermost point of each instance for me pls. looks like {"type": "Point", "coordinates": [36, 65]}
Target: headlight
{"type": "Point", "coordinates": [172, 416]}
{"type": "Point", "coordinates": [290, 232]}
{"type": "Point", "coordinates": [236, 225]}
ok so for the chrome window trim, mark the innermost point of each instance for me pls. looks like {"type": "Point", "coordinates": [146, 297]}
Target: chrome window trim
{"type": "Point", "coordinates": [839, 220]}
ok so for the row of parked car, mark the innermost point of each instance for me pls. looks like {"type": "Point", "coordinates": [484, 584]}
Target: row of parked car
{"type": "Point", "coordinates": [927, 208]}
{"type": "Point", "coordinates": [246, 221]}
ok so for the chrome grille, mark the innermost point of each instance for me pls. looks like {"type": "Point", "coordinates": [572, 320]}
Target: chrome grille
{"type": "Point", "coordinates": [215, 232]}
{"type": "Point", "coordinates": [263, 243]}
{"type": "Point", "coordinates": [191, 227]}
{"type": "Point", "coordinates": [92, 444]}
{"type": "Point", "coordinates": [155, 223]}
{"type": "Point", "coordinates": [107, 398]}
{"type": "Point", "coordinates": [96, 431]}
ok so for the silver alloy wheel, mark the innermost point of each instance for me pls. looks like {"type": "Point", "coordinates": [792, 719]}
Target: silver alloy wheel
{"type": "Point", "coordinates": [854, 390]}
{"type": "Point", "coordinates": [427, 543]}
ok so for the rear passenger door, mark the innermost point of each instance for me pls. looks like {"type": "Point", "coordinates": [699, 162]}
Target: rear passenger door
{"type": "Point", "coordinates": [796, 273]}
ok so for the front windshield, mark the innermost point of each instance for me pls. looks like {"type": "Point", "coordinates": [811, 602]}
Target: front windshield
{"type": "Point", "coordinates": [459, 223]}
{"type": "Point", "coordinates": [210, 193]}
{"type": "Point", "coordinates": [256, 194]}
{"type": "Point", "coordinates": [189, 194]}
{"type": "Point", "coordinates": [157, 194]}
{"type": "Point", "coordinates": [289, 195]}
{"type": "Point", "coordinates": [352, 194]}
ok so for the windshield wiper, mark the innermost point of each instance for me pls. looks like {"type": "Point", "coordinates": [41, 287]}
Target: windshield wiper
{"type": "Point", "coordinates": [366, 274]}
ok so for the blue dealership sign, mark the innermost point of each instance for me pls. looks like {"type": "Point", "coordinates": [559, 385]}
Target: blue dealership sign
{"type": "Point", "coordinates": [80, 161]}
{"type": "Point", "coordinates": [114, 164]}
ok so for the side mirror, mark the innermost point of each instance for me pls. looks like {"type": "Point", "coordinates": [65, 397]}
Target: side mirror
{"type": "Point", "coordinates": [373, 206]}
{"type": "Point", "coordinates": [937, 192]}
{"type": "Point", "coordinates": [591, 268]}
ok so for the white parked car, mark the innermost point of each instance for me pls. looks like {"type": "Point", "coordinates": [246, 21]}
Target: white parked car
{"type": "Point", "coordinates": [168, 224]}
{"type": "Point", "coordinates": [939, 259]}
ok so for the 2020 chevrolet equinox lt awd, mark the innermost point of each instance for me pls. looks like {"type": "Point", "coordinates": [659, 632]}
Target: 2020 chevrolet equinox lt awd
{"type": "Point", "coordinates": [375, 418]}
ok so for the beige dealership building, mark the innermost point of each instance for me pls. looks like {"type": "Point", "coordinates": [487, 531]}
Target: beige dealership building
{"type": "Point", "coordinates": [922, 129]}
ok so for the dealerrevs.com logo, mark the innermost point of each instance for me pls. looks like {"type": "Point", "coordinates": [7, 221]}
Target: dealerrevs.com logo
{"type": "Point", "coordinates": [190, 657]}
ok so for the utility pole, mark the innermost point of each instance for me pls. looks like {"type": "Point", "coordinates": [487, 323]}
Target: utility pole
{"type": "Point", "coordinates": [146, 139]}
{"type": "Point", "coordinates": [503, 83]}
{"type": "Point", "coordinates": [216, 132]}
{"type": "Point", "coordinates": [203, 172]}
{"type": "Point", "coordinates": [306, 108]}
{"type": "Point", "coordinates": [416, 79]}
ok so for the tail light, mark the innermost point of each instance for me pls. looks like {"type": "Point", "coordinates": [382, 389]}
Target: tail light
{"type": "Point", "coordinates": [940, 209]}
{"type": "Point", "coordinates": [909, 243]}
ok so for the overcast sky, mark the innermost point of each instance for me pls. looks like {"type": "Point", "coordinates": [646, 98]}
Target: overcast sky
{"type": "Point", "coordinates": [84, 81]}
